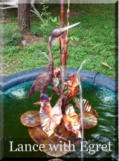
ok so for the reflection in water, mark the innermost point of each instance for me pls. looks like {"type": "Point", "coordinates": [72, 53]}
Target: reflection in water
{"type": "Point", "coordinates": [105, 96]}
{"type": "Point", "coordinates": [18, 94]}
{"type": "Point", "coordinates": [56, 159]}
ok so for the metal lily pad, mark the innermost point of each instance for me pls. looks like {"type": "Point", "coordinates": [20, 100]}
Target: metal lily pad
{"type": "Point", "coordinates": [89, 120]}
{"type": "Point", "coordinates": [40, 137]}
{"type": "Point", "coordinates": [30, 119]}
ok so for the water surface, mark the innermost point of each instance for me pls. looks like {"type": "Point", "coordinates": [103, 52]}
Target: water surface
{"type": "Point", "coordinates": [16, 102]}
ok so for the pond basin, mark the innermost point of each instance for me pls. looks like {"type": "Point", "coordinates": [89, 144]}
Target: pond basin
{"type": "Point", "coordinates": [16, 102]}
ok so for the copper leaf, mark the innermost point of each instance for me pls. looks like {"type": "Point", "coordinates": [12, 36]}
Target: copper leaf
{"type": "Point", "coordinates": [86, 106]}
{"type": "Point", "coordinates": [51, 117]}
{"type": "Point", "coordinates": [72, 121]}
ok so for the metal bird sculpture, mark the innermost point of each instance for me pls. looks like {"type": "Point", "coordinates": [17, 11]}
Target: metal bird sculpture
{"type": "Point", "coordinates": [45, 78]}
{"type": "Point", "coordinates": [58, 122]}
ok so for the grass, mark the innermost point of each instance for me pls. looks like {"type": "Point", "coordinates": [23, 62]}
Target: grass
{"type": "Point", "coordinates": [95, 38]}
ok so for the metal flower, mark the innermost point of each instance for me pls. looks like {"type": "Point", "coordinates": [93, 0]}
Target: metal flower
{"type": "Point", "coordinates": [72, 86]}
{"type": "Point", "coordinates": [86, 106]}
{"type": "Point", "coordinates": [72, 121]}
{"type": "Point", "coordinates": [50, 117]}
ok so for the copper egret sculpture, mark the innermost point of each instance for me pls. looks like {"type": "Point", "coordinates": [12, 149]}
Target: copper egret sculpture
{"type": "Point", "coordinates": [45, 77]}
{"type": "Point", "coordinates": [59, 123]}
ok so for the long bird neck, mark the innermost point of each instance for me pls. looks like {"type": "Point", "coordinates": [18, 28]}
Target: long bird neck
{"type": "Point", "coordinates": [50, 53]}
{"type": "Point", "coordinates": [49, 49]}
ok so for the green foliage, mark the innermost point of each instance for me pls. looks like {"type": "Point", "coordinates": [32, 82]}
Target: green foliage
{"type": "Point", "coordinates": [74, 38]}
{"type": "Point", "coordinates": [50, 23]}
{"type": "Point", "coordinates": [36, 30]}
{"type": "Point", "coordinates": [45, 13]}
{"type": "Point", "coordinates": [12, 35]}
{"type": "Point", "coordinates": [94, 37]}
{"type": "Point", "coordinates": [46, 28]}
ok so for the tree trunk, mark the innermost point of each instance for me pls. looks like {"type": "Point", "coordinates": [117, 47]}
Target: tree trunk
{"type": "Point", "coordinates": [24, 16]}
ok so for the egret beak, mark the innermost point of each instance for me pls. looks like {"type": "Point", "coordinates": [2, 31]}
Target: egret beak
{"type": "Point", "coordinates": [69, 27]}
{"type": "Point", "coordinates": [59, 31]}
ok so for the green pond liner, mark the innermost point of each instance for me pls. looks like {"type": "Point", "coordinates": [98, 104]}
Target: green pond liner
{"type": "Point", "coordinates": [16, 102]}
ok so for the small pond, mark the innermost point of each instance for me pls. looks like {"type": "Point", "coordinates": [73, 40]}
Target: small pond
{"type": "Point", "coordinates": [16, 102]}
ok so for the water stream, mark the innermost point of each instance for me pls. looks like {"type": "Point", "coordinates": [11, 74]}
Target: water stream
{"type": "Point", "coordinates": [81, 102]}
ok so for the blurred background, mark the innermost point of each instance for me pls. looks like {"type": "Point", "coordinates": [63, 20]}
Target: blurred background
{"type": "Point", "coordinates": [26, 28]}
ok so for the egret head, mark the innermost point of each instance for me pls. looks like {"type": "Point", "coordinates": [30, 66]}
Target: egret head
{"type": "Point", "coordinates": [59, 31]}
